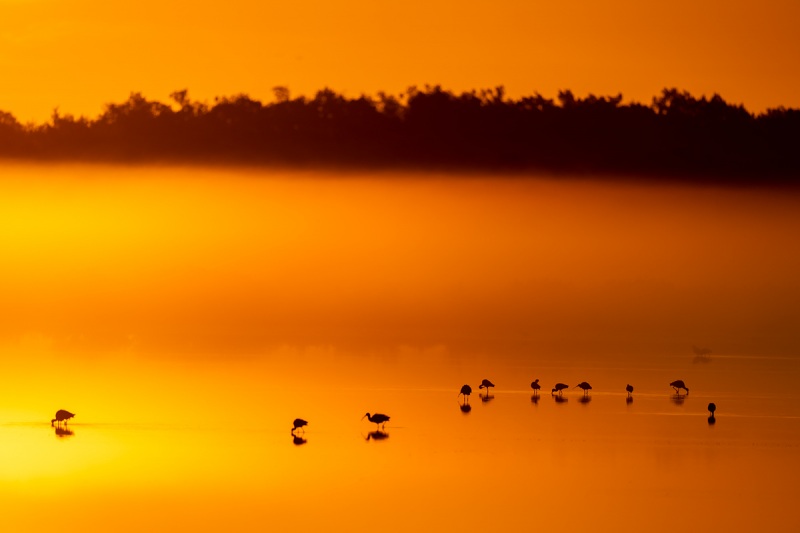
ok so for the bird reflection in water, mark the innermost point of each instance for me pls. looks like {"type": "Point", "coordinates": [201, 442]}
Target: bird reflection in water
{"type": "Point", "coordinates": [629, 400]}
{"type": "Point", "coordinates": [535, 399]}
{"type": "Point", "coordinates": [465, 408]}
{"type": "Point", "coordinates": [63, 431]}
{"type": "Point", "coordinates": [560, 399]}
{"type": "Point", "coordinates": [678, 399]}
{"type": "Point", "coordinates": [377, 435]}
{"type": "Point", "coordinates": [584, 399]}
{"type": "Point", "coordinates": [298, 440]}
{"type": "Point", "coordinates": [486, 398]}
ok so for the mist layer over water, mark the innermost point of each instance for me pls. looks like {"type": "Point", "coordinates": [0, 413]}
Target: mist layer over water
{"type": "Point", "coordinates": [193, 261]}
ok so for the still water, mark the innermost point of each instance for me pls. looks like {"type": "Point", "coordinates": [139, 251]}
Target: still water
{"type": "Point", "coordinates": [187, 317]}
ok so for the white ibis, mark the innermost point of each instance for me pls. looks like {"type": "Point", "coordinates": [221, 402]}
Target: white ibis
{"type": "Point", "coordinates": [485, 384]}
{"type": "Point", "coordinates": [298, 424]}
{"type": "Point", "coordinates": [535, 386]}
{"type": "Point", "coordinates": [585, 386]}
{"type": "Point", "coordinates": [377, 418]}
{"type": "Point", "coordinates": [629, 388]}
{"type": "Point", "coordinates": [559, 388]}
{"type": "Point", "coordinates": [62, 416]}
{"type": "Point", "coordinates": [466, 390]}
{"type": "Point", "coordinates": [677, 385]}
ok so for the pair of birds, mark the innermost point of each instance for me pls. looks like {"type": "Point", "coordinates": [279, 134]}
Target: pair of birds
{"type": "Point", "coordinates": [559, 387]}
{"type": "Point", "coordinates": [466, 390]}
{"type": "Point", "coordinates": [377, 418]}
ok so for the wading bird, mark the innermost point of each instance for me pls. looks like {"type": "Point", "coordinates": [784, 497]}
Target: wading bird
{"type": "Point", "coordinates": [377, 418]}
{"type": "Point", "coordinates": [711, 408]}
{"type": "Point", "coordinates": [677, 385]}
{"type": "Point", "coordinates": [629, 388]}
{"type": "Point", "coordinates": [466, 390]}
{"type": "Point", "coordinates": [298, 424]}
{"type": "Point", "coordinates": [62, 416]}
{"type": "Point", "coordinates": [485, 384]}
{"type": "Point", "coordinates": [585, 386]}
{"type": "Point", "coordinates": [535, 386]}
{"type": "Point", "coordinates": [558, 388]}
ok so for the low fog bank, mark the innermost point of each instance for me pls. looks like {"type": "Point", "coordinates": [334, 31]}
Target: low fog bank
{"type": "Point", "coordinates": [219, 264]}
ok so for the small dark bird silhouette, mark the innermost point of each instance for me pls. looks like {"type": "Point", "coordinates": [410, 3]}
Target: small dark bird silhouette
{"type": "Point", "coordinates": [377, 418]}
{"type": "Point", "coordinates": [677, 385]}
{"type": "Point", "coordinates": [62, 416]}
{"type": "Point", "coordinates": [629, 388]}
{"type": "Point", "coordinates": [559, 388]}
{"type": "Point", "coordinates": [466, 390]}
{"type": "Point", "coordinates": [585, 386]}
{"type": "Point", "coordinates": [298, 424]}
{"type": "Point", "coordinates": [712, 407]}
{"type": "Point", "coordinates": [535, 386]}
{"type": "Point", "coordinates": [485, 384]}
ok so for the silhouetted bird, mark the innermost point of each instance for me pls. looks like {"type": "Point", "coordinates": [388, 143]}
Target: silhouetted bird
{"type": "Point", "coordinates": [377, 418]}
{"type": "Point", "coordinates": [585, 386]}
{"type": "Point", "coordinates": [712, 407]}
{"type": "Point", "coordinates": [466, 390]}
{"type": "Point", "coordinates": [465, 408]}
{"type": "Point", "coordinates": [485, 384]}
{"type": "Point", "coordinates": [677, 385]}
{"type": "Point", "coordinates": [298, 440]}
{"type": "Point", "coordinates": [629, 388]}
{"type": "Point", "coordinates": [558, 388]}
{"type": "Point", "coordinates": [62, 416]}
{"type": "Point", "coordinates": [298, 424]}
{"type": "Point", "coordinates": [535, 386]}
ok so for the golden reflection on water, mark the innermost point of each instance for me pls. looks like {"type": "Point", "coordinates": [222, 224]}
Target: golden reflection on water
{"type": "Point", "coordinates": [187, 317]}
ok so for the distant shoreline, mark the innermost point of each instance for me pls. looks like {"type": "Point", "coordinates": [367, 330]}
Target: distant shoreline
{"type": "Point", "coordinates": [676, 138]}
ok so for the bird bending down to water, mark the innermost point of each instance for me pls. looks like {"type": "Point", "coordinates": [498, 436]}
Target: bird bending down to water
{"type": "Point", "coordinates": [298, 424]}
{"type": "Point", "coordinates": [535, 386]}
{"type": "Point", "coordinates": [466, 390]}
{"type": "Point", "coordinates": [585, 386]}
{"type": "Point", "coordinates": [677, 385]}
{"type": "Point", "coordinates": [62, 416]}
{"type": "Point", "coordinates": [629, 388]}
{"type": "Point", "coordinates": [377, 418]}
{"type": "Point", "coordinates": [558, 388]}
{"type": "Point", "coordinates": [485, 384]}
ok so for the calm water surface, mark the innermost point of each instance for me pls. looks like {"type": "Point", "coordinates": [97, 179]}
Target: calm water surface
{"type": "Point", "coordinates": [188, 317]}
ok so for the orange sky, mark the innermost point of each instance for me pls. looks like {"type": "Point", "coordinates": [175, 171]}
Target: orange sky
{"type": "Point", "coordinates": [79, 55]}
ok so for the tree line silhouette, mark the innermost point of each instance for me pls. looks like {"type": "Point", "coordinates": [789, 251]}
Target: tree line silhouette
{"type": "Point", "coordinates": [677, 135]}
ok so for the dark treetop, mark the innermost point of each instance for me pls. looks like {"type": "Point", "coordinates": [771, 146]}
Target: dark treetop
{"type": "Point", "coordinates": [676, 136]}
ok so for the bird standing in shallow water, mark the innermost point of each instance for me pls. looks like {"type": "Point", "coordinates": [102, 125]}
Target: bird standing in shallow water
{"type": "Point", "coordinates": [558, 388]}
{"type": "Point", "coordinates": [62, 416]}
{"type": "Point", "coordinates": [298, 424]}
{"type": "Point", "coordinates": [585, 386]}
{"type": "Point", "coordinates": [485, 384]}
{"type": "Point", "coordinates": [711, 408]}
{"type": "Point", "coordinates": [535, 386]}
{"type": "Point", "coordinates": [677, 385]}
{"type": "Point", "coordinates": [466, 390]}
{"type": "Point", "coordinates": [377, 418]}
{"type": "Point", "coordinates": [629, 388]}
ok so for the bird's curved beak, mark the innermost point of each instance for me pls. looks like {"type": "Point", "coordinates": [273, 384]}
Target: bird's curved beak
{"type": "Point", "coordinates": [363, 417]}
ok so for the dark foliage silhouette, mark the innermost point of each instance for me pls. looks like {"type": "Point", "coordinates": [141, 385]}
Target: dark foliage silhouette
{"type": "Point", "coordinates": [677, 135]}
